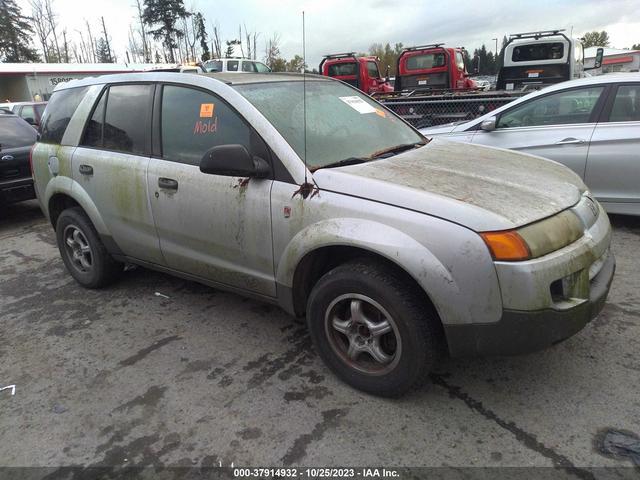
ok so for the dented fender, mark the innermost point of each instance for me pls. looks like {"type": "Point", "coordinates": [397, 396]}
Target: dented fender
{"type": "Point", "coordinates": [449, 262]}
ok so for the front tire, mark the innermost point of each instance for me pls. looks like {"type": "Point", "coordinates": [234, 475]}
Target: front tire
{"type": "Point", "coordinates": [82, 251]}
{"type": "Point", "coordinates": [373, 328]}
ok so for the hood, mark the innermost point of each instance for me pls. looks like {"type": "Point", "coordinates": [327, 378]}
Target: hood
{"type": "Point", "coordinates": [479, 187]}
{"type": "Point", "coordinates": [440, 129]}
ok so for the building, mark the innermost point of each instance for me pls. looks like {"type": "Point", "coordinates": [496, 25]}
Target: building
{"type": "Point", "coordinates": [614, 60]}
{"type": "Point", "coordinates": [36, 81]}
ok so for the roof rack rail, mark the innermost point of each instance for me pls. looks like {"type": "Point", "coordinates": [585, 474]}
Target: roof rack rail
{"type": "Point", "coordinates": [542, 33]}
{"type": "Point", "coordinates": [340, 55]}
{"type": "Point", "coordinates": [422, 47]}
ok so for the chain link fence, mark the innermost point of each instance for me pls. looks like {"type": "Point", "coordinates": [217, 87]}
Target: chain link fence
{"type": "Point", "coordinates": [437, 110]}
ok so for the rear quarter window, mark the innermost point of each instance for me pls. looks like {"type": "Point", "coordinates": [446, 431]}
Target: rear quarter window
{"type": "Point", "coordinates": [58, 113]}
{"type": "Point", "coordinates": [15, 133]}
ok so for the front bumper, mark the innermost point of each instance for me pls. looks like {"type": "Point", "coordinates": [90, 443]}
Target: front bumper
{"type": "Point", "coordinates": [523, 332]}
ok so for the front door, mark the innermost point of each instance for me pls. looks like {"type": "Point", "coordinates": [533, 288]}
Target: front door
{"type": "Point", "coordinates": [613, 164]}
{"type": "Point", "coordinates": [556, 126]}
{"type": "Point", "coordinates": [212, 226]}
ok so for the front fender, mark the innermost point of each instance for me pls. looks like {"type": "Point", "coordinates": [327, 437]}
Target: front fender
{"type": "Point", "coordinates": [384, 240]}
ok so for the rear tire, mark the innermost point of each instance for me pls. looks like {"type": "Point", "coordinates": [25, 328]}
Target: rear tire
{"type": "Point", "coordinates": [373, 328]}
{"type": "Point", "coordinates": [82, 251]}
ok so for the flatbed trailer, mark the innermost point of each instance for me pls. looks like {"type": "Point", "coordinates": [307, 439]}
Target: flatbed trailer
{"type": "Point", "coordinates": [437, 107]}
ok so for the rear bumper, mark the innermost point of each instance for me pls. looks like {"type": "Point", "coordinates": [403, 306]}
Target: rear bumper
{"type": "Point", "coordinates": [17, 190]}
{"type": "Point", "coordinates": [528, 331]}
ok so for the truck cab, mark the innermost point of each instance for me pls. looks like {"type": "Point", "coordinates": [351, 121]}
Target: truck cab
{"type": "Point", "coordinates": [432, 67]}
{"type": "Point", "coordinates": [360, 72]}
{"type": "Point", "coordinates": [533, 60]}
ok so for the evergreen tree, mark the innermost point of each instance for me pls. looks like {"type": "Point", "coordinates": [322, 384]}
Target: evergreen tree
{"type": "Point", "coordinates": [164, 16]}
{"type": "Point", "coordinates": [102, 51]}
{"type": "Point", "coordinates": [201, 34]}
{"type": "Point", "coordinates": [16, 34]}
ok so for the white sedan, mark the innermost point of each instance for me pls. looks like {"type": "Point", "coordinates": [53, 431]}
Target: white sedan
{"type": "Point", "coordinates": [591, 125]}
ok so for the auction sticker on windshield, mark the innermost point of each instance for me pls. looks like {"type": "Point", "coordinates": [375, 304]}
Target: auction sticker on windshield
{"type": "Point", "coordinates": [358, 104]}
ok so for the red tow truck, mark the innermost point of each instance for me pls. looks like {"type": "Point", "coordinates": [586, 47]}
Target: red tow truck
{"type": "Point", "coordinates": [432, 67]}
{"type": "Point", "coordinates": [361, 72]}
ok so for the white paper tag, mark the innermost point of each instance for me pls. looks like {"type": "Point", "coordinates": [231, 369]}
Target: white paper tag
{"type": "Point", "coordinates": [422, 82]}
{"type": "Point", "coordinates": [534, 75]}
{"type": "Point", "coordinates": [358, 104]}
{"type": "Point", "coordinates": [509, 86]}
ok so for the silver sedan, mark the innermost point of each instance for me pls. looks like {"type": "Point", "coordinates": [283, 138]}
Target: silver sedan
{"type": "Point", "coordinates": [591, 125]}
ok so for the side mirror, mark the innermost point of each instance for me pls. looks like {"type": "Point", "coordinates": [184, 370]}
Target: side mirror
{"type": "Point", "coordinates": [233, 161]}
{"type": "Point", "coordinates": [489, 124]}
{"type": "Point", "coordinates": [599, 55]}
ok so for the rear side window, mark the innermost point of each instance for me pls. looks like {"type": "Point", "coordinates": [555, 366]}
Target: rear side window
{"type": "Point", "coordinates": [194, 121]}
{"type": "Point", "coordinates": [214, 66]}
{"type": "Point", "coordinates": [626, 106]}
{"type": "Point", "coordinates": [93, 130]}
{"type": "Point", "coordinates": [15, 133]}
{"type": "Point", "coordinates": [58, 113]}
{"type": "Point", "coordinates": [119, 121]}
{"type": "Point", "coordinates": [340, 69]}
{"type": "Point", "coordinates": [425, 61]}
{"type": "Point", "coordinates": [232, 65]}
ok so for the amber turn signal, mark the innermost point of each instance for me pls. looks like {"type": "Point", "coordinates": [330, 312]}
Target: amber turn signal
{"type": "Point", "coordinates": [507, 245]}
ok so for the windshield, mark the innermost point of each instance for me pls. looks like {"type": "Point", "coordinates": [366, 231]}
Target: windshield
{"type": "Point", "coordinates": [341, 122]}
{"type": "Point", "coordinates": [15, 132]}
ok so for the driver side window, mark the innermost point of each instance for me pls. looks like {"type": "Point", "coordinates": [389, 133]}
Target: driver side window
{"type": "Point", "coordinates": [193, 121]}
{"type": "Point", "coordinates": [562, 108]}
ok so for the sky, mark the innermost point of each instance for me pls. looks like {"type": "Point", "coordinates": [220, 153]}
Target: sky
{"type": "Point", "coordinates": [338, 25]}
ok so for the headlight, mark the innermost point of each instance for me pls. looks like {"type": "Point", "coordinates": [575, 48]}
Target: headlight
{"type": "Point", "coordinates": [536, 239]}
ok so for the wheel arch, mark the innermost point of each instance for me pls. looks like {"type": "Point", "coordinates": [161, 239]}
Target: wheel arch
{"type": "Point", "coordinates": [323, 246]}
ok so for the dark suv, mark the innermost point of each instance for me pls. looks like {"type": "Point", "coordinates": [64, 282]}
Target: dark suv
{"type": "Point", "coordinates": [16, 139]}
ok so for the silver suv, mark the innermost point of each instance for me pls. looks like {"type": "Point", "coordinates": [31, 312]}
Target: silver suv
{"type": "Point", "coordinates": [395, 249]}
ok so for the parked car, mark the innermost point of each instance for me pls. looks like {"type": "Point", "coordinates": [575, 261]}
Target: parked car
{"type": "Point", "coordinates": [237, 65]}
{"type": "Point", "coordinates": [16, 139]}
{"type": "Point", "coordinates": [591, 125]}
{"type": "Point", "coordinates": [30, 112]}
{"type": "Point", "coordinates": [394, 248]}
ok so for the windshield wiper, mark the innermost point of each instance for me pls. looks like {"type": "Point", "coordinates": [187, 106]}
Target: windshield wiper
{"type": "Point", "coordinates": [397, 149]}
{"type": "Point", "coordinates": [343, 163]}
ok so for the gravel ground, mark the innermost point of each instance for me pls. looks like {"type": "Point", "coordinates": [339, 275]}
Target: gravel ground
{"type": "Point", "coordinates": [123, 376]}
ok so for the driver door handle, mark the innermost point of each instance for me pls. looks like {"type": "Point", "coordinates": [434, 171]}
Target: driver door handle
{"type": "Point", "coordinates": [570, 141]}
{"type": "Point", "coordinates": [167, 183]}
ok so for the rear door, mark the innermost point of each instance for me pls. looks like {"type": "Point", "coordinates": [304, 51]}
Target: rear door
{"type": "Point", "coordinates": [214, 227]}
{"type": "Point", "coordinates": [556, 126]}
{"type": "Point", "coordinates": [613, 164]}
{"type": "Point", "coordinates": [111, 162]}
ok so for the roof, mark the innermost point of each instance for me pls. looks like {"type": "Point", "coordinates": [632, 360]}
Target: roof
{"type": "Point", "coordinates": [591, 51]}
{"type": "Point", "coordinates": [227, 78]}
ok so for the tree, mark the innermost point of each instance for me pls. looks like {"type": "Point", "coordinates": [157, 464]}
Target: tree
{"type": "Point", "coordinates": [106, 41]}
{"type": "Point", "coordinates": [296, 64]}
{"type": "Point", "coordinates": [201, 33]}
{"type": "Point", "coordinates": [635, 46]}
{"type": "Point", "coordinates": [596, 39]}
{"type": "Point", "coordinates": [272, 54]}
{"type": "Point", "coordinates": [102, 51]}
{"type": "Point", "coordinates": [16, 34]}
{"type": "Point", "coordinates": [164, 15]}
{"type": "Point", "coordinates": [146, 54]}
